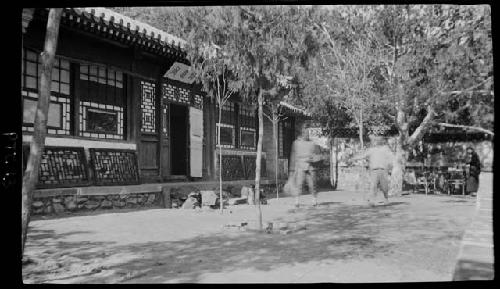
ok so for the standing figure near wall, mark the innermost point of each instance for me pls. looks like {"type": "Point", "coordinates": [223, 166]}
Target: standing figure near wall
{"type": "Point", "coordinates": [303, 156]}
{"type": "Point", "coordinates": [473, 168]}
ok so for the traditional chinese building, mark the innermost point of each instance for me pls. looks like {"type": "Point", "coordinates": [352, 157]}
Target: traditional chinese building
{"type": "Point", "coordinates": [126, 118]}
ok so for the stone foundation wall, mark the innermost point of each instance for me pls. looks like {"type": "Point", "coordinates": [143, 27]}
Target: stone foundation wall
{"type": "Point", "coordinates": [54, 205]}
{"type": "Point", "coordinates": [61, 204]}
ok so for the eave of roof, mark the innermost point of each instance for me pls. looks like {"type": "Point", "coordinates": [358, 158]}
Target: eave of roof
{"type": "Point", "coordinates": [109, 24]}
{"type": "Point", "coordinates": [294, 109]}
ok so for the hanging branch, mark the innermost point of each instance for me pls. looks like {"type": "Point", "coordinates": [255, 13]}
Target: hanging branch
{"type": "Point", "coordinates": [467, 127]}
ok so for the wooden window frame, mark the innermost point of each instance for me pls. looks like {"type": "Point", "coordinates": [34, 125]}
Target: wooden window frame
{"type": "Point", "coordinates": [88, 73]}
{"type": "Point", "coordinates": [57, 96]}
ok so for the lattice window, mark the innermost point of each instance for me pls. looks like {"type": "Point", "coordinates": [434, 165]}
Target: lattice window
{"type": "Point", "coordinates": [32, 68]}
{"type": "Point", "coordinates": [60, 100]}
{"type": "Point", "coordinates": [247, 138]}
{"type": "Point", "coordinates": [114, 167]}
{"type": "Point", "coordinates": [228, 125]}
{"type": "Point", "coordinates": [232, 168]}
{"type": "Point", "coordinates": [99, 120]}
{"type": "Point", "coordinates": [247, 116]}
{"type": "Point", "coordinates": [228, 113]}
{"type": "Point", "coordinates": [227, 137]}
{"type": "Point", "coordinates": [102, 75]}
{"type": "Point", "coordinates": [247, 127]}
{"type": "Point", "coordinates": [148, 107]}
{"type": "Point", "coordinates": [102, 102]}
{"type": "Point", "coordinates": [164, 107]}
{"type": "Point", "coordinates": [58, 117]}
{"type": "Point", "coordinates": [176, 94]}
{"type": "Point", "coordinates": [61, 167]}
{"type": "Point", "coordinates": [249, 166]}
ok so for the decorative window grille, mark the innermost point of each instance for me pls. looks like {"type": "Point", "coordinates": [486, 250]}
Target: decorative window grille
{"type": "Point", "coordinates": [148, 107]}
{"type": "Point", "coordinates": [249, 166]}
{"type": "Point", "coordinates": [164, 107]}
{"type": "Point", "coordinates": [177, 94]}
{"type": "Point", "coordinates": [60, 99]}
{"type": "Point", "coordinates": [61, 167]}
{"type": "Point", "coordinates": [102, 75]}
{"type": "Point", "coordinates": [101, 120]}
{"type": "Point", "coordinates": [228, 113]}
{"type": "Point", "coordinates": [227, 137]}
{"type": "Point", "coordinates": [247, 127]}
{"type": "Point", "coordinates": [247, 138]}
{"type": "Point", "coordinates": [102, 102]}
{"type": "Point", "coordinates": [227, 125]}
{"type": "Point", "coordinates": [114, 167]}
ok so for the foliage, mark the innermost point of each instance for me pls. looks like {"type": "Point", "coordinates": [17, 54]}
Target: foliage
{"type": "Point", "coordinates": [261, 47]}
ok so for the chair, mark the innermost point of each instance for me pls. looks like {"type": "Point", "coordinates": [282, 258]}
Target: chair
{"type": "Point", "coordinates": [411, 179]}
{"type": "Point", "coordinates": [423, 179]}
{"type": "Point", "coordinates": [456, 180]}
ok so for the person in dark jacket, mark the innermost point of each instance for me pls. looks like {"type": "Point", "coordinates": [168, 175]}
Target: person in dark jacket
{"type": "Point", "coordinates": [474, 168]}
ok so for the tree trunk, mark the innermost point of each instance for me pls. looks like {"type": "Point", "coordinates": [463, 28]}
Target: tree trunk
{"type": "Point", "coordinates": [399, 165]}
{"type": "Point", "coordinates": [399, 162]}
{"type": "Point", "coordinates": [221, 203]}
{"type": "Point", "coordinates": [275, 139]}
{"type": "Point", "coordinates": [258, 161]}
{"type": "Point", "coordinates": [333, 164]}
{"type": "Point", "coordinates": [361, 129]}
{"type": "Point", "coordinates": [30, 177]}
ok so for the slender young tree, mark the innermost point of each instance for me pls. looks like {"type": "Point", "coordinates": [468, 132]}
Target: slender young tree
{"type": "Point", "coordinates": [223, 94]}
{"type": "Point", "coordinates": [30, 177]}
{"type": "Point", "coordinates": [275, 116]}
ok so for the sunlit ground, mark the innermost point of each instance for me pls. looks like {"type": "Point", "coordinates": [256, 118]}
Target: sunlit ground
{"type": "Point", "coordinates": [414, 238]}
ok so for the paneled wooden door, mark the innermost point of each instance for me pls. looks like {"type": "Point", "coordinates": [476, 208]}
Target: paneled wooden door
{"type": "Point", "coordinates": [149, 132]}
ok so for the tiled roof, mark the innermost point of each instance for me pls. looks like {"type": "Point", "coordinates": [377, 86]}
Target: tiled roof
{"type": "Point", "coordinates": [112, 17]}
{"type": "Point", "coordinates": [109, 24]}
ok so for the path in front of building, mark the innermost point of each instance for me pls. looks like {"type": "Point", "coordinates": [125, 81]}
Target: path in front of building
{"type": "Point", "coordinates": [476, 258]}
{"type": "Point", "coordinates": [415, 238]}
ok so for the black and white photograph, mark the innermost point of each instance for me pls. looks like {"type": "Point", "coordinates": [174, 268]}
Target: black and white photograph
{"type": "Point", "coordinates": [254, 144]}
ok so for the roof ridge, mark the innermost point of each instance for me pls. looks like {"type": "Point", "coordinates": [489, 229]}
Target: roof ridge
{"type": "Point", "coordinates": [151, 31]}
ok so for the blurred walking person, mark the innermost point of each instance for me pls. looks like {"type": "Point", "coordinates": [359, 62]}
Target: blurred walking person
{"type": "Point", "coordinates": [380, 158]}
{"type": "Point", "coordinates": [302, 158]}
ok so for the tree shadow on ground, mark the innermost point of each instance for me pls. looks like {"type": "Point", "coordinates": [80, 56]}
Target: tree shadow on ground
{"type": "Point", "coordinates": [84, 213]}
{"type": "Point", "coordinates": [329, 203]}
{"type": "Point", "coordinates": [341, 232]}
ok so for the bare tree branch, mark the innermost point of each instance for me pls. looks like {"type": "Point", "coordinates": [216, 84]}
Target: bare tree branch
{"type": "Point", "coordinates": [421, 129]}
{"type": "Point", "coordinates": [467, 126]}
{"type": "Point", "coordinates": [467, 89]}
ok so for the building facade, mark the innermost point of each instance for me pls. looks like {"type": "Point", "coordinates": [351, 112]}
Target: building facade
{"type": "Point", "coordinates": [124, 110]}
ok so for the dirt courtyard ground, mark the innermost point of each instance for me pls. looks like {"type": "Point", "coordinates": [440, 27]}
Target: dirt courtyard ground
{"type": "Point", "coordinates": [414, 238]}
